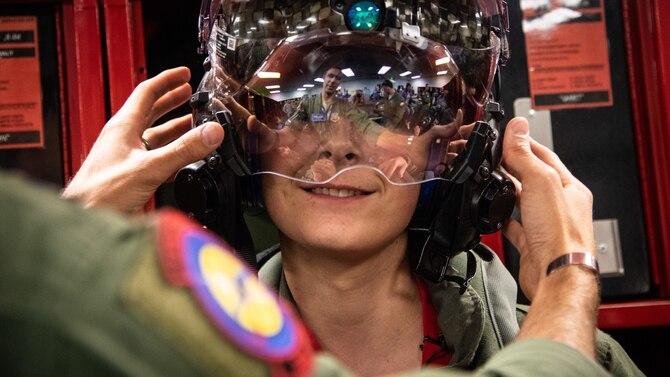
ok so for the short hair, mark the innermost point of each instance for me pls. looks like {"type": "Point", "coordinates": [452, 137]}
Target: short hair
{"type": "Point", "coordinates": [387, 83]}
{"type": "Point", "coordinates": [331, 67]}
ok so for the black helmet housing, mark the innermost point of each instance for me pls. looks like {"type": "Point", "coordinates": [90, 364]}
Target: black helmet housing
{"type": "Point", "coordinates": [266, 79]}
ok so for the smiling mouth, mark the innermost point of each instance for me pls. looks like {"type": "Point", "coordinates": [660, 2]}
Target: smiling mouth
{"type": "Point", "coordinates": [338, 193]}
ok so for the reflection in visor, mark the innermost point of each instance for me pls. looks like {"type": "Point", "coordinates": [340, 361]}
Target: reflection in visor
{"type": "Point", "coordinates": [347, 139]}
{"type": "Point", "coordinates": [298, 61]}
{"type": "Point", "coordinates": [306, 128]}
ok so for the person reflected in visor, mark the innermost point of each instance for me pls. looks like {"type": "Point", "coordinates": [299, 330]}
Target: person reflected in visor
{"type": "Point", "coordinates": [314, 108]}
{"type": "Point", "coordinates": [392, 108]}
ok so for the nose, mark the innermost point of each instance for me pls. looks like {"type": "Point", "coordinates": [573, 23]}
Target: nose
{"type": "Point", "coordinates": [340, 149]}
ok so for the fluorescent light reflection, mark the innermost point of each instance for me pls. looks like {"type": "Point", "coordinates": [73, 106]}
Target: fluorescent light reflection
{"type": "Point", "coordinates": [269, 75]}
{"type": "Point", "coordinates": [383, 70]}
{"type": "Point", "coordinates": [441, 61]}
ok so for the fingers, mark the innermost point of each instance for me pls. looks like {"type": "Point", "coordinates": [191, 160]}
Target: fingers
{"type": "Point", "coordinates": [141, 101]}
{"type": "Point", "coordinates": [255, 126]}
{"type": "Point", "coordinates": [457, 146]}
{"type": "Point", "coordinates": [518, 157]}
{"type": "Point", "coordinates": [165, 133]}
{"type": "Point", "coordinates": [458, 119]}
{"type": "Point", "coordinates": [191, 147]}
{"type": "Point", "coordinates": [269, 138]}
{"type": "Point", "coordinates": [169, 101]}
{"type": "Point", "coordinates": [394, 168]}
{"type": "Point", "coordinates": [517, 185]}
{"type": "Point", "coordinates": [464, 132]}
{"type": "Point", "coordinates": [240, 114]}
{"type": "Point", "coordinates": [445, 131]}
{"type": "Point", "coordinates": [442, 132]}
{"type": "Point", "coordinates": [449, 130]}
{"type": "Point", "coordinates": [513, 231]}
{"type": "Point", "coordinates": [523, 155]}
{"type": "Point", "coordinates": [548, 156]}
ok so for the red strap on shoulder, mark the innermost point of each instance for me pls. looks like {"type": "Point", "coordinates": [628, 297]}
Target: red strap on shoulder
{"type": "Point", "coordinates": [434, 348]}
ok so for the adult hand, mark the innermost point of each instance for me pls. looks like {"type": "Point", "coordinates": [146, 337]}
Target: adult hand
{"type": "Point", "coordinates": [417, 148]}
{"type": "Point", "coordinates": [119, 172]}
{"type": "Point", "coordinates": [556, 208]}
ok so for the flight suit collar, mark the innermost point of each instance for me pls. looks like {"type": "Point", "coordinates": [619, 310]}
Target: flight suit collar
{"type": "Point", "coordinates": [461, 317]}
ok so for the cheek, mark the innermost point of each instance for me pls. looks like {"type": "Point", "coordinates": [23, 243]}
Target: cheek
{"type": "Point", "coordinates": [283, 207]}
{"type": "Point", "coordinates": [275, 201]}
{"type": "Point", "coordinates": [402, 201]}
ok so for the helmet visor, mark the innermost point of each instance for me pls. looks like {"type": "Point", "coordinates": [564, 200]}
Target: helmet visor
{"type": "Point", "coordinates": [310, 106]}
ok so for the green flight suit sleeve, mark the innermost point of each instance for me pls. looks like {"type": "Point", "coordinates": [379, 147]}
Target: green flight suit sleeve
{"type": "Point", "coordinates": [532, 358]}
{"type": "Point", "coordinates": [613, 357]}
{"type": "Point", "coordinates": [65, 310]}
{"type": "Point", "coordinates": [609, 352]}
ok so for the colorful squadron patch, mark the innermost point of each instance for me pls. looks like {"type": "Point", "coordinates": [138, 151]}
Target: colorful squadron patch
{"type": "Point", "coordinates": [242, 309]}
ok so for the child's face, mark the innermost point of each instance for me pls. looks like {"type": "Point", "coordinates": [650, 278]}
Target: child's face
{"type": "Point", "coordinates": [358, 210]}
{"type": "Point", "coordinates": [357, 213]}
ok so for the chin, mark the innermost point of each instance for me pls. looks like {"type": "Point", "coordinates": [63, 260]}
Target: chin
{"type": "Point", "coordinates": [329, 237]}
{"type": "Point", "coordinates": [343, 240]}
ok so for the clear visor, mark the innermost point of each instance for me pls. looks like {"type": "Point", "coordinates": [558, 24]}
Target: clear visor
{"type": "Point", "coordinates": [312, 106]}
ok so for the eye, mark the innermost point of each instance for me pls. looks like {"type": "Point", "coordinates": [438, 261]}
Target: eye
{"type": "Point", "coordinates": [350, 156]}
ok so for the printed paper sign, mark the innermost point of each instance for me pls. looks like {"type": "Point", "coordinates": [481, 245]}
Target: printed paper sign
{"type": "Point", "coordinates": [568, 62]}
{"type": "Point", "coordinates": [21, 122]}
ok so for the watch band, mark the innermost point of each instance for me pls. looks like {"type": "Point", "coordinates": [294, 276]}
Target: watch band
{"type": "Point", "coordinates": [587, 260]}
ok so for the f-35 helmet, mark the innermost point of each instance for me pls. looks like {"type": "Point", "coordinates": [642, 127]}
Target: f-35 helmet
{"type": "Point", "coordinates": [282, 76]}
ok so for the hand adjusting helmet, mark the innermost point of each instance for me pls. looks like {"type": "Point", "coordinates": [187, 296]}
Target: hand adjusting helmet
{"type": "Point", "coordinates": [277, 77]}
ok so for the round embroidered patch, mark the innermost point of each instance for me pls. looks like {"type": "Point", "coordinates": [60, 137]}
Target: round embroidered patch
{"type": "Point", "coordinates": [241, 308]}
{"type": "Point", "coordinates": [236, 301]}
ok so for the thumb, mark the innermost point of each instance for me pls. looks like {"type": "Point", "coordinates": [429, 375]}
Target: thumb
{"type": "Point", "coordinates": [190, 147]}
{"type": "Point", "coordinates": [517, 154]}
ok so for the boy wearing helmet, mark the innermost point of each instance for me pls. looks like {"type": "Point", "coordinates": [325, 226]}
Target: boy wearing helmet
{"type": "Point", "coordinates": [345, 235]}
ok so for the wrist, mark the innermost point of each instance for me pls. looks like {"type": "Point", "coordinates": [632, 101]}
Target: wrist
{"type": "Point", "coordinates": [584, 259]}
{"type": "Point", "coordinates": [565, 308]}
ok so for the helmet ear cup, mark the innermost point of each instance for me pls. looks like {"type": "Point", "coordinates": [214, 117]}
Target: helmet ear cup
{"type": "Point", "coordinates": [492, 203]}
{"type": "Point", "coordinates": [474, 200]}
